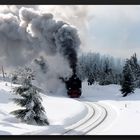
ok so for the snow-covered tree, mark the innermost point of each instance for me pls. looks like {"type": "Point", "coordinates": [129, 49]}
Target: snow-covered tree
{"type": "Point", "coordinates": [135, 70]}
{"type": "Point", "coordinates": [98, 68]}
{"type": "Point", "coordinates": [21, 74]}
{"type": "Point", "coordinates": [32, 112]}
{"type": "Point", "coordinates": [14, 79]}
{"type": "Point", "coordinates": [127, 85]}
{"type": "Point", "coordinates": [90, 79]}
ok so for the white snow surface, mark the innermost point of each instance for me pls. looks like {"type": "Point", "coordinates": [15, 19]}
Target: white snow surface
{"type": "Point", "coordinates": [123, 112]}
{"type": "Point", "coordinates": [126, 114]}
{"type": "Point", "coordinates": [61, 111]}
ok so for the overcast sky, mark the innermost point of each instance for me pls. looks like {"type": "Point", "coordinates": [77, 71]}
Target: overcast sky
{"type": "Point", "coordinates": [107, 29]}
{"type": "Point", "coordinates": [115, 30]}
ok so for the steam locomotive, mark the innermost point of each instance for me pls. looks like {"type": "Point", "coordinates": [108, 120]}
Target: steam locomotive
{"type": "Point", "coordinates": [73, 86]}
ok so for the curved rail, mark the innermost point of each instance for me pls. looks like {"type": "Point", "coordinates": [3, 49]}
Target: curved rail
{"type": "Point", "coordinates": [95, 116]}
{"type": "Point", "coordinates": [99, 120]}
{"type": "Point", "coordinates": [69, 128]}
{"type": "Point", "coordinates": [92, 123]}
{"type": "Point", "coordinates": [83, 121]}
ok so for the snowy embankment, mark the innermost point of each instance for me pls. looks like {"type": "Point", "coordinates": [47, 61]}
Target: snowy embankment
{"type": "Point", "coordinates": [61, 112]}
{"type": "Point", "coordinates": [123, 112]}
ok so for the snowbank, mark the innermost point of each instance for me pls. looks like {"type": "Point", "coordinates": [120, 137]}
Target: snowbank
{"type": "Point", "coordinates": [127, 119]}
{"type": "Point", "coordinates": [61, 112]}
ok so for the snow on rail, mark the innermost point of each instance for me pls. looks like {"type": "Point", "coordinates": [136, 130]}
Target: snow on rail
{"type": "Point", "coordinates": [99, 116]}
{"type": "Point", "coordinates": [95, 116]}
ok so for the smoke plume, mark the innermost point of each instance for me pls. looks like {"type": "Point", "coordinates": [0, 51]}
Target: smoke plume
{"type": "Point", "coordinates": [27, 33]}
{"type": "Point", "coordinates": [33, 32]}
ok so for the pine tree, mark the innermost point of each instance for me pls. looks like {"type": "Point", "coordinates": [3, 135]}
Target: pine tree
{"type": "Point", "coordinates": [105, 69]}
{"type": "Point", "coordinates": [14, 79]}
{"type": "Point", "coordinates": [90, 79]}
{"type": "Point", "coordinates": [21, 73]}
{"type": "Point", "coordinates": [127, 85]}
{"type": "Point", "coordinates": [106, 76]}
{"type": "Point", "coordinates": [33, 111]}
{"type": "Point", "coordinates": [135, 69]}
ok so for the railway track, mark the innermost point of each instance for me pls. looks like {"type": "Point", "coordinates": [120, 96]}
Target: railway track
{"type": "Point", "coordinates": [87, 118]}
{"type": "Point", "coordinates": [99, 115]}
{"type": "Point", "coordinates": [95, 116]}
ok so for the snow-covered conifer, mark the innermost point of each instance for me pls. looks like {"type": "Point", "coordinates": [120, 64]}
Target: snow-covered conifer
{"type": "Point", "coordinates": [14, 79]}
{"type": "Point", "coordinates": [127, 85]}
{"type": "Point", "coordinates": [32, 112]}
{"type": "Point", "coordinates": [135, 70]}
{"type": "Point", "coordinates": [101, 69]}
{"type": "Point", "coordinates": [21, 74]}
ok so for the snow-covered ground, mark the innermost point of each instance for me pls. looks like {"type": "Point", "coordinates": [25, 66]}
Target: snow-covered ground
{"type": "Point", "coordinates": [123, 112]}
{"type": "Point", "coordinates": [126, 109]}
{"type": "Point", "coordinates": [61, 111]}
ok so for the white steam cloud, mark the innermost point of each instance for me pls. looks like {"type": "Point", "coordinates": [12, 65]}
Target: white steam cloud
{"type": "Point", "coordinates": [27, 33]}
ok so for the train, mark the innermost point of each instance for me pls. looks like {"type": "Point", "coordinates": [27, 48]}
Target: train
{"type": "Point", "coordinates": [74, 86]}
